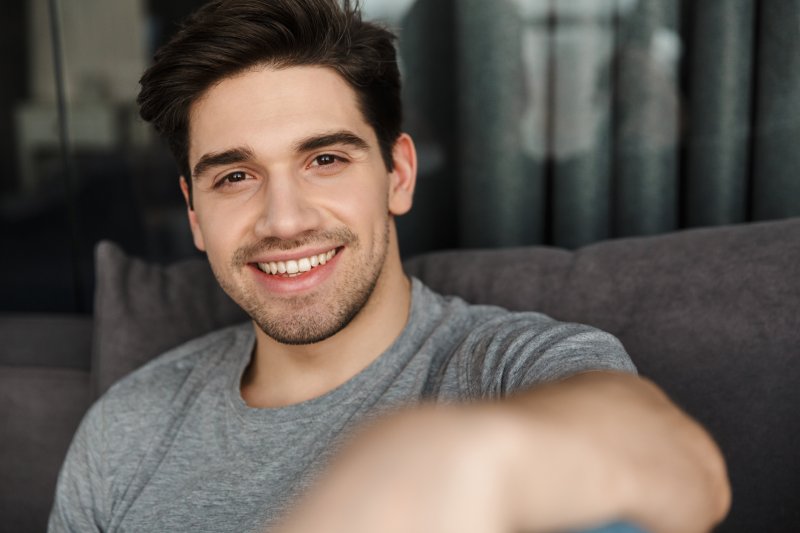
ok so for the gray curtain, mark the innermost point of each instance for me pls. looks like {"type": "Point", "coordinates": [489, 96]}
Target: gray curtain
{"type": "Point", "coordinates": [565, 122]}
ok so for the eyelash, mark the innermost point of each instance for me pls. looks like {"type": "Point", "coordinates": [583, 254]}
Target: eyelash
{"type": "Point", "coordinates": [224, 181]}
{"type": "Point", "coordinates": [334, 160]}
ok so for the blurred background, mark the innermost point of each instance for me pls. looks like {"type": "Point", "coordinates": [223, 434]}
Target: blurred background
{"type": "Point", "coordinates": [554, 122]}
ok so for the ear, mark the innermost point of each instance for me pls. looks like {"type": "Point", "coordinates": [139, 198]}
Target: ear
{"type": "Point", "coordinates": [403, 177]}
{"type": "Point", "coordinates": [197, 233]}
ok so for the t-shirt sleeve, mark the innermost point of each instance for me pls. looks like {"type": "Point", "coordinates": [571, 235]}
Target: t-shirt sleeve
{"type": "Point", "coordinates": [80, 492]}
{"type": "Point", "coordinates": [517, 351]}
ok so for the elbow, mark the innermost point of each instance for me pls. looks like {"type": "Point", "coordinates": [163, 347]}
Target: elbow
{"type": "Point", "coordinates": [718, 480]}
{"type": "Point", "coordinates": [706, 455]}
{"type": "Point", "coordinates": [700, 453]}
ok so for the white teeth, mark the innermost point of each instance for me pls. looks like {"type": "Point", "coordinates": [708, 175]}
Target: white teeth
{"type": "Point", "coordinates": [294, 267]}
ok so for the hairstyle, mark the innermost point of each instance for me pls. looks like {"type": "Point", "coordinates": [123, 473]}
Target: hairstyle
{"type": "Point", "coordinates": [226, 37]}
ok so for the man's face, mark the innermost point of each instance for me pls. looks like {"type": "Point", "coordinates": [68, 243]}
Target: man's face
{"type": "Point", "coordinates": [292, 200]}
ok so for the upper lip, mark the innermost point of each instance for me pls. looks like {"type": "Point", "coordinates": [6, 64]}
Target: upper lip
{"type": "Point", "coordinates": [294, 254]}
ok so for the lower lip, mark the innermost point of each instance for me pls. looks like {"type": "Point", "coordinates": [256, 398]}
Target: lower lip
{"type": "Point", "coordinates": [303, 282]}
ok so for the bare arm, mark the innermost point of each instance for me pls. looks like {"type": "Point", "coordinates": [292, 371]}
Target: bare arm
{"type": "Point", "coordinates": [617, 448]}
{"type": "Point", "coordinates": [590, 449]}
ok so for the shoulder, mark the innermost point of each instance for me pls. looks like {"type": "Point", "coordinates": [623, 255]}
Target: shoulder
{"type": "Point", "coordinates": [493, 351]}
{"type": "Point", "coordinates": [448, 313]}
{"type": "Point", "coordinates": [146, 400]}
{"type": "Point", "coordinates": [460, 323]}
{"type": "Point", "coordinates": [158, 380]}
{"type": "Point", "coordinates": [518, 350]}
{"type": "Point", "coordinates": [123, 426]}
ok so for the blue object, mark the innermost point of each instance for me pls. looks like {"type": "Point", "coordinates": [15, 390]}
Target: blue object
{"type": "Point", "coordinates": [619, 527]}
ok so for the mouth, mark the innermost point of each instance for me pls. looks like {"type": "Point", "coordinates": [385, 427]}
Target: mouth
{"type": "Point", "coordinates": [297, 267]}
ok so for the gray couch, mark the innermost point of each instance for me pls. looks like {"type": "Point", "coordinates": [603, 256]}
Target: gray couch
{"type": "Point", "coordinates": [712, 315]}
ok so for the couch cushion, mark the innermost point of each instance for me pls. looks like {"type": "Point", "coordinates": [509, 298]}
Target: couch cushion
{"type": "Point", "coordinates": [39, 411]}
{"type": "Point", "coordinates": [144, 309]}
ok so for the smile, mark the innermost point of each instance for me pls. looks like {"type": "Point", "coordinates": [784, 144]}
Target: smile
{"type": "Point", "coordinates": [295, 267]}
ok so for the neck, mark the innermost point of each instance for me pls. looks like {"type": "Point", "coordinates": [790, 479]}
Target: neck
{"type": "Point", "coordinates": [281, 374]}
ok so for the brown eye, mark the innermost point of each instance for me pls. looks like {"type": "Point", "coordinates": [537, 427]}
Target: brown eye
{"type": "Point", "coordinates": [230, 179]}
{"type": "Point", "coordinates": [325, 159]}
{"type": "Point", "coordinates": [235, 176]}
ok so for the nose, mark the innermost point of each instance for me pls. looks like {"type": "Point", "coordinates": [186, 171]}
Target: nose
{"type": "Point", "coordinates": [288, 209]}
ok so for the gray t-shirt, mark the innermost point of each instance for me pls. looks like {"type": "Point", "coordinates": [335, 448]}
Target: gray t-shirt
{"type": "Point", "coordinates": [173, 447]}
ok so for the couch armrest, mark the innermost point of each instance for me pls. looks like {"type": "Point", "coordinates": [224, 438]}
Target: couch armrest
{"type": "Point", "coordinates": [46, 340]}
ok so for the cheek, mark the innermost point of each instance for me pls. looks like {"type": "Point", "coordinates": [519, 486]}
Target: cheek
{"type": "Point", "coordinates": [221, 228]}
{"type": "Point", "coordinates": [363, 207]}
{"type": "Point", "coordinates": [369, 196]}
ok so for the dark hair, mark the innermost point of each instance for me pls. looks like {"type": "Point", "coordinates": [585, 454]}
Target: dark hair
{"type": "Point", "coordinates": [226, 37]}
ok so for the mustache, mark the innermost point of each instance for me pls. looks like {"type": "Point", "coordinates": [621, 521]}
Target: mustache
{"type": "Point", "coordinates": [339, 237]}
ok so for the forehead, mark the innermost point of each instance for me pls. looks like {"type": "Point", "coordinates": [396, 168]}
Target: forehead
{"type": "Point", "coordinates": [270, 109]}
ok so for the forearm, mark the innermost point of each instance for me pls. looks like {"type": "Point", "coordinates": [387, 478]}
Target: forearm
{"type": "Point", "coordinates": [593, 448]}
{"type": "Point", "coordinates": [605, 446]}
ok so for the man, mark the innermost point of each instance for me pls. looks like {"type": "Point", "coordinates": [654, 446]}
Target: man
{"type": "Point", "coordinates": [284, 118]}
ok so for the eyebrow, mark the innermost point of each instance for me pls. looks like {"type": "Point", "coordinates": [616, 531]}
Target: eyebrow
{"type": "Point", "coordinates": [324, 140]}
{"type": "Point", "coordinates": [234, 155]}
{"type": "Point", "coordinates": [245, 154]}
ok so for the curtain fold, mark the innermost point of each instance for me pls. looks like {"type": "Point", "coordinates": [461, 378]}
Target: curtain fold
{"type": "Point", "coordinates": [776, 147]}
{"type": "Point", "coordinates": [500, 186]}
{"type": "Point", "coordinates": [646, 118]}
{"type": "Point", "coordinates": [566, 122]}
{"type": "Point", "coordinates": [718, 118]}
{"type": "Point", "coordinates": [427, 50]}
{"type": "Point", "coordinates": [581, 129]}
